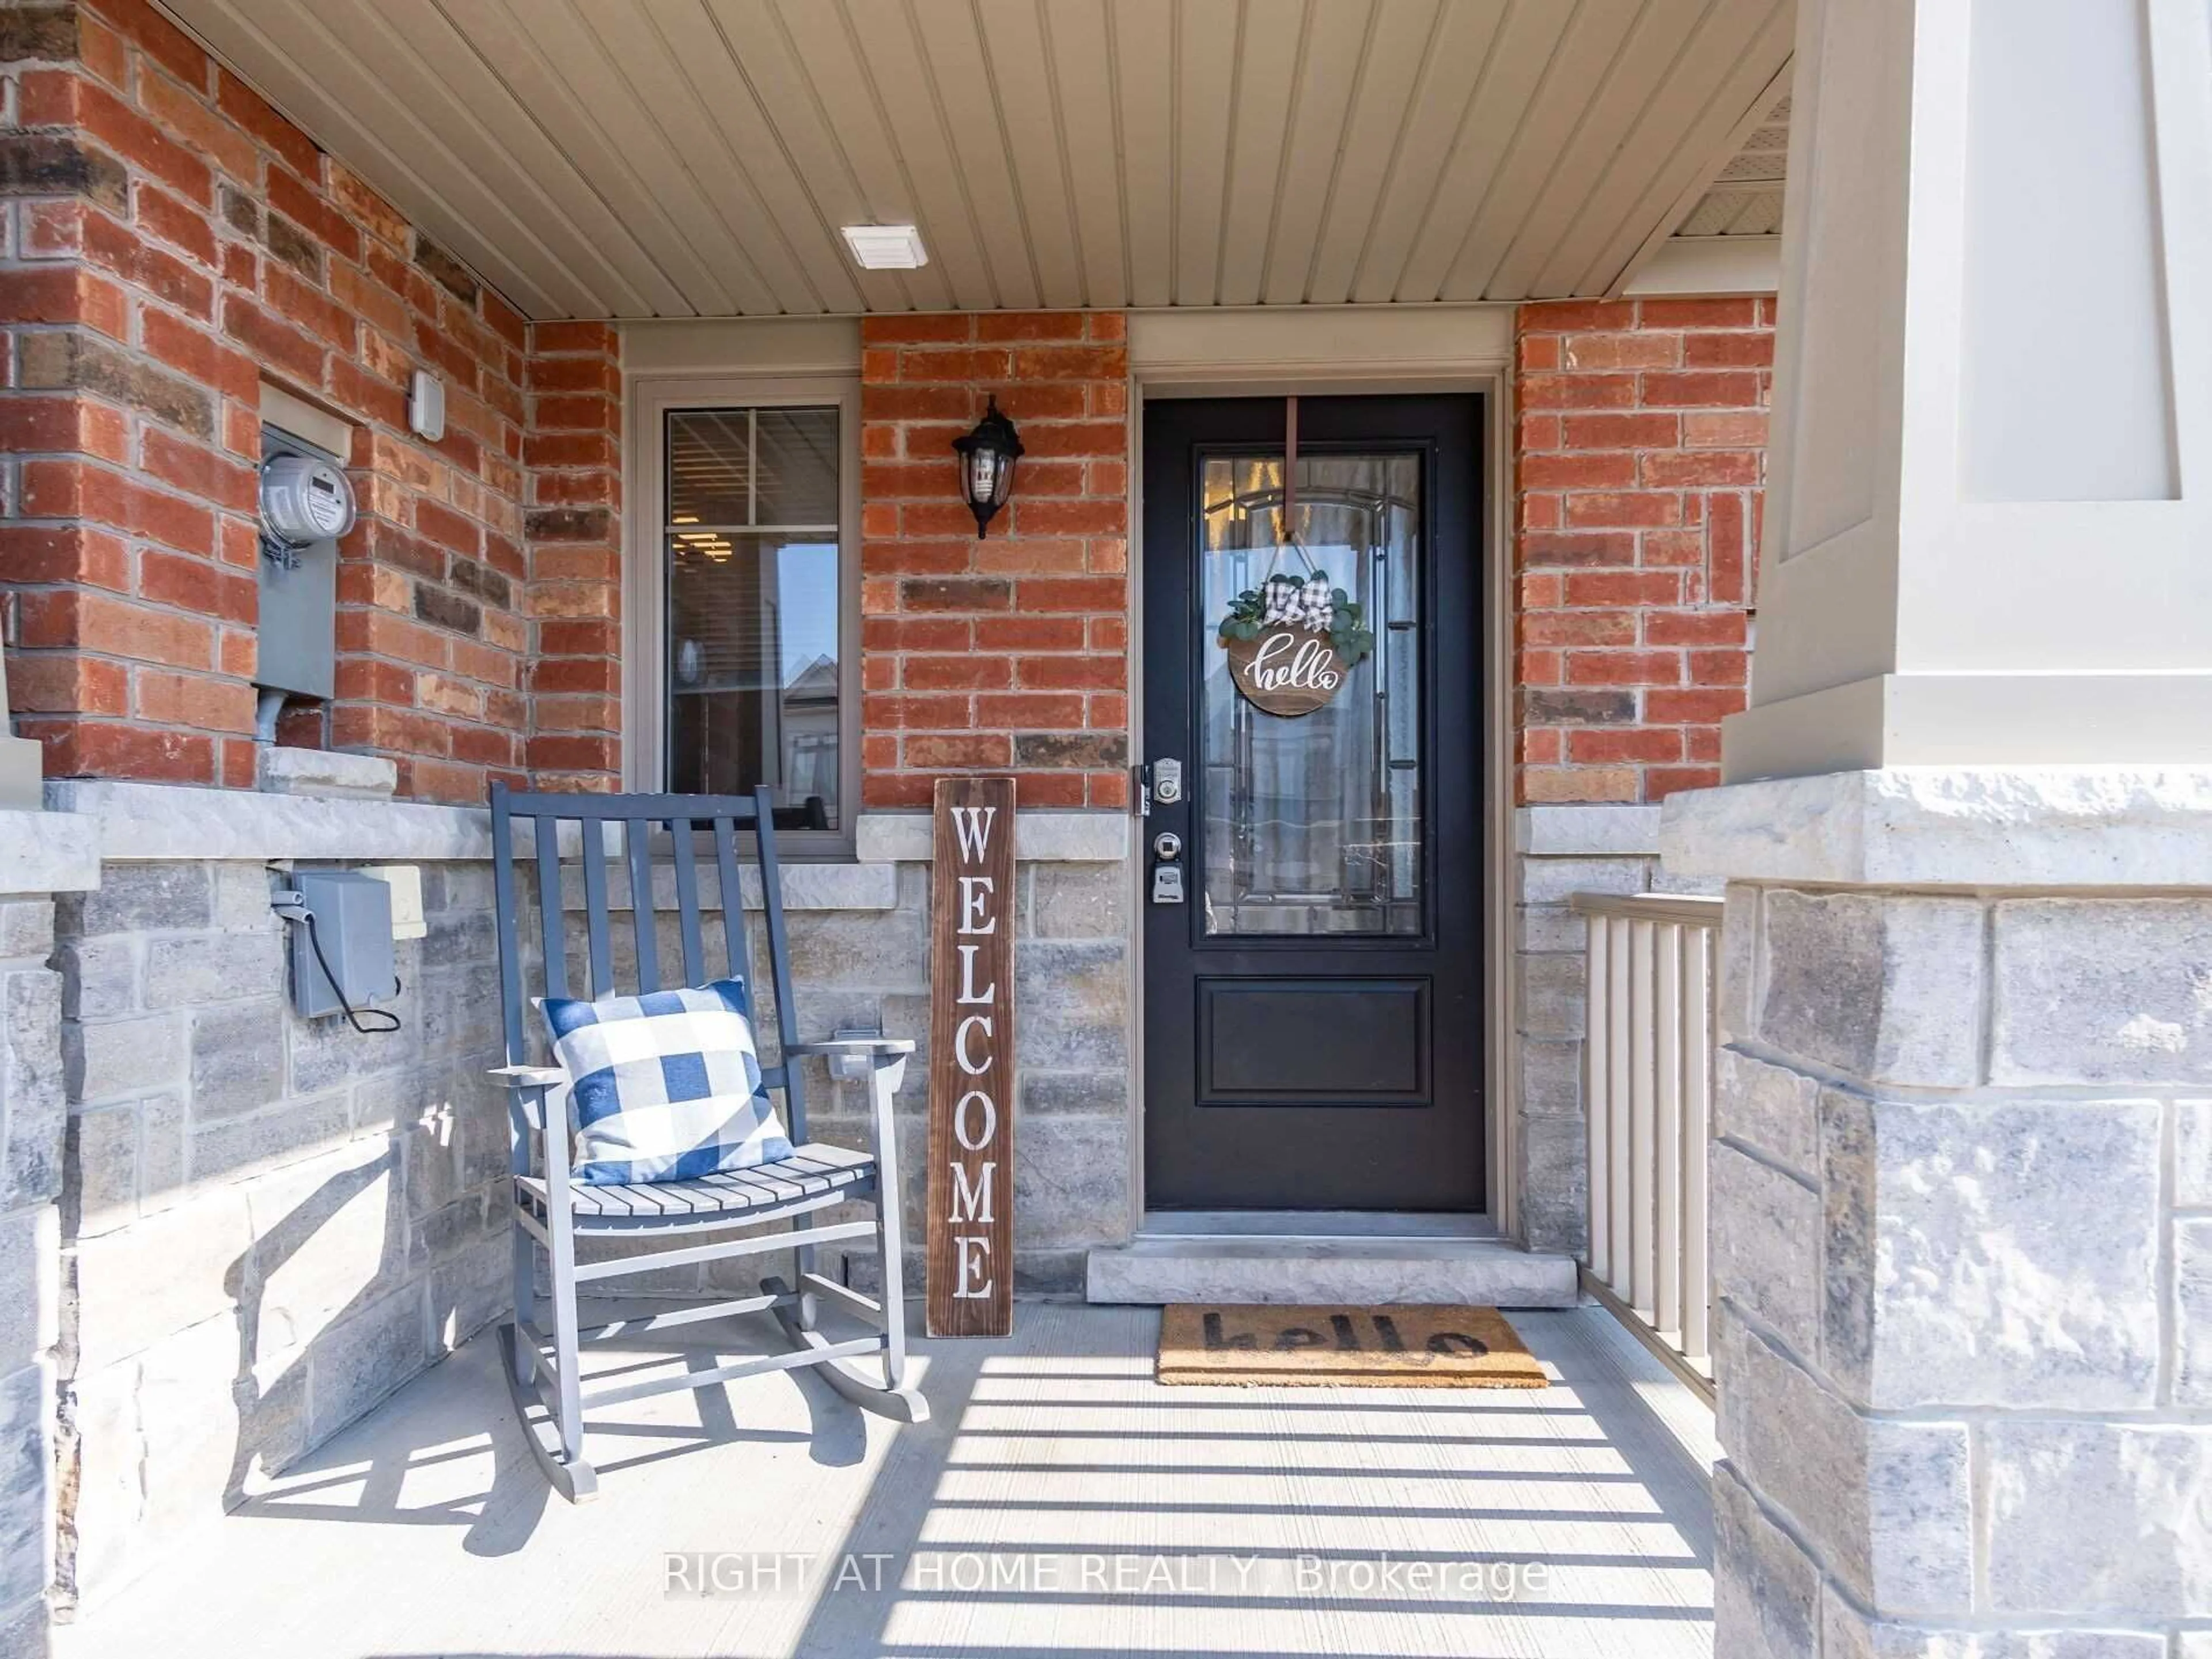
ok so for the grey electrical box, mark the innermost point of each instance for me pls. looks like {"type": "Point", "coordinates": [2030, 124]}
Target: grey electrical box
{"type": "Point", "coordinates": [352, 922]}
{"type": "Point", "coordinates": [298, 631]}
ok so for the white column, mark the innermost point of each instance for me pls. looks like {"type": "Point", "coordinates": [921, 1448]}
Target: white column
{"type": "Point", "coordinates": [1960, 1178]}
{"type": "Point", "coordinates": [1989, 538]}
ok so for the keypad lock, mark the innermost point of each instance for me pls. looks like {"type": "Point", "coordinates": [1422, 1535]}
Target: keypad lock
{"type": "Point", "coordinates": [1167, 872]}
{"type": "Point", "coordinates": [1167, 782]}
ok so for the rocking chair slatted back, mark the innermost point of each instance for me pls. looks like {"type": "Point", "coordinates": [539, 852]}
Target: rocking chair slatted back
{"type": "Point", "coordinates": [586, 821]}
{"type": "Point", "coordinates": [553, 1213]}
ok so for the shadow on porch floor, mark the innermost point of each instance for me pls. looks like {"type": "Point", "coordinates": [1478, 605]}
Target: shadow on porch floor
{"type": "Point", "coordinates": [1060, 1503]}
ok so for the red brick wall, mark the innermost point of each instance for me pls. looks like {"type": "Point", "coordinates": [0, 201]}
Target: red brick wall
{"type": "Point", "coordinates": [1639, 461]}
{"type": "Point", "coordinates": [172, 241]}
{"type": "Point", "coordinates": [573, 528]}
{"type": "Point", "coordinates": [1010, 653]}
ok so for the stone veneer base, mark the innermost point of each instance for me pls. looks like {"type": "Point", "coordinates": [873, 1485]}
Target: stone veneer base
{"type": "Point", "coordinates": [1961, 1210]}
{"type": "Point", "coordinates": [350, 1192]}
{"type": "Point", "coordinates": [1919, 826]}
{"type": "Point", "coordinates": [241, 1181]}
{"type": "Point", "coordinates": [1559, 851]}
{"type": "Point", "coordinates": [44, 856]}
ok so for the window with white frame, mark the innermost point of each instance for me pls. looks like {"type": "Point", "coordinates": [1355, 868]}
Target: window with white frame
{"type": "Point", "coordinates": [753, 599]}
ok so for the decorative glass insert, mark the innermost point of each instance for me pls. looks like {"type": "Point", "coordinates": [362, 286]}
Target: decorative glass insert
{"type": "Point", "coordinates": [1312, 825]}
{"type": "Point", "coordinates": [753, 672]}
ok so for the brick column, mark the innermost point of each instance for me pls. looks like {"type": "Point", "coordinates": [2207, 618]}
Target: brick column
{"type": "Point", "coordinates": [573, 452]}
{"type": "Point", "coordinates": [1008, 653]}
{"type": "Point", "coordinates": [173, 244]}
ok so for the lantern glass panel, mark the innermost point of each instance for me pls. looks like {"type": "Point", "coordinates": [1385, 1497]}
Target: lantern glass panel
{"type": "Point", "coordinates": [983, 475]}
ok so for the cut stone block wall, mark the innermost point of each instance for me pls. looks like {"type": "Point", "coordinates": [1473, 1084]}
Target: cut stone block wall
{"type": "Point", "coordinates": [1559, 851]}
{"type": "Point", "coordinates": [859, 951]}
{"type": "Point", "coordinates": [1959, 1195]}
{"type": "Point", "coordinates": [41, 854]}
{"type": "Point", "coordinates": [271, 1223]}
{"type": "Point", "coordinates": [1073, 1152]}
{"type": "Point", "coordinates": [31, 1117]}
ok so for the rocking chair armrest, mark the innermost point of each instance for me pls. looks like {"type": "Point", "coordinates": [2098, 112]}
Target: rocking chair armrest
{"type": "Point", "coordinates": [529, 1077]}
{"type": "Point", "coordinates": [533, 1085]}
{"type": "Point", "coordinates": [885, 1060]}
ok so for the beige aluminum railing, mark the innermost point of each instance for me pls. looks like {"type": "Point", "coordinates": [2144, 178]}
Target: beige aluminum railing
{"type": "Point", "coordinates": [1647, 1085]}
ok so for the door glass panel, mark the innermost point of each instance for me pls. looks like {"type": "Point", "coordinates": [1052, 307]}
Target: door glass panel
{"type": "Point", "coordinates": [1312, 824]}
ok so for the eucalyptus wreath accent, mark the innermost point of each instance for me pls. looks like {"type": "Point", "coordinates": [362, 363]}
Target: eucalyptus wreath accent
{"type": "Point", "coordinates": [1284, 601]}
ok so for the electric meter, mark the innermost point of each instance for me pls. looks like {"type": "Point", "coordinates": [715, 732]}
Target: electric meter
{"type": "Point", "coordinates": [304, 500]}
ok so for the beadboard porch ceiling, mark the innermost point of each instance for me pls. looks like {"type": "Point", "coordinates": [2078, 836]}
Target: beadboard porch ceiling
{"type": "Point", "coordinates": [679, 158]}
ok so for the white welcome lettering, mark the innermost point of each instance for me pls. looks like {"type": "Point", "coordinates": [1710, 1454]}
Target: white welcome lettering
{"type": "Point", "coordinates": [973, 1067]}
{"type": "Point", "coordinates": [975, 1142]}
{"type": "Point", "coordinates": [972, 825]}
{"type": "Point", "coordinates": [969, 995]}
{"type": "Point", "coordinates": [974, 890]}
{"type": "Point", "coordinates": [971, 1203]}
{"type": "Point", "coordinates": [972, 1259]}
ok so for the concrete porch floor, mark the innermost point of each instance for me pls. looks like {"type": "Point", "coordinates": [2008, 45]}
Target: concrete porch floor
{"type": "Point", "coordinates": [425, 1528]}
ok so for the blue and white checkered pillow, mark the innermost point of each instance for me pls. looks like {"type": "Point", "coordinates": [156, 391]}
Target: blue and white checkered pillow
{"type": "Point", "coordinates": [667, 1085]}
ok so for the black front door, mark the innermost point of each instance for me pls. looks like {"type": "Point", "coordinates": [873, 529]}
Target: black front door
{"type": "Point", "coordinates": [1313, 1007]}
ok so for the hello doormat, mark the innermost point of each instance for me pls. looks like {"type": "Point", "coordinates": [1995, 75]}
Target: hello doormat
{"type": "Point", "coordinates": [1345, 1348]}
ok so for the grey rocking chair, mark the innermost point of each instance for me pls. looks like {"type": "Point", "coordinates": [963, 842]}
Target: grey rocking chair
{"type": "Point", "coordinates": [704, 1220]}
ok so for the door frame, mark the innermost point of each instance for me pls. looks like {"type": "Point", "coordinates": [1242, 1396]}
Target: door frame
{"type": "Point", "coordinates": [1343, 351]}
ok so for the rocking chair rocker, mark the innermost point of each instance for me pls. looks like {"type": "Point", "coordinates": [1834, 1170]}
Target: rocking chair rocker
{"type": "Point", "coordinates": [555, 1211]}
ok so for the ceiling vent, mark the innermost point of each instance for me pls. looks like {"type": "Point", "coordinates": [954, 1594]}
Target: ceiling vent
{"type": "Point", "coordinates": [885, 247]}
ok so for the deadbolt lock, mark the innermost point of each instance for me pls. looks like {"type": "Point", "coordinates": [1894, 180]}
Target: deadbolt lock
{"type": "Point", "coordinates": [1167, 846]}
{"type": "Point", "coordinates": [1167, 782]}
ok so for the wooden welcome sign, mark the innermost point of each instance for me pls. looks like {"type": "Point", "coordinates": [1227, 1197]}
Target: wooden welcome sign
{"type": "Point", "coordinates": [969, 1233]}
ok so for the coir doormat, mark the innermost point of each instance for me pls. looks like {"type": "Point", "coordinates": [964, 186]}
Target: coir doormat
{"type": "Point", "coordinates": [1345, 1348]}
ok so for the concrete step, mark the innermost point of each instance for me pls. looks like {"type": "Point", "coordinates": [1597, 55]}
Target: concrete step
{"type": "Point", "coordinates": [1369, 1273]}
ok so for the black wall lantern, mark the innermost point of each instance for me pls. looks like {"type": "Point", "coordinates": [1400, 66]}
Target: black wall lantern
{"type": "Point", "coordinates": [986, 465]}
